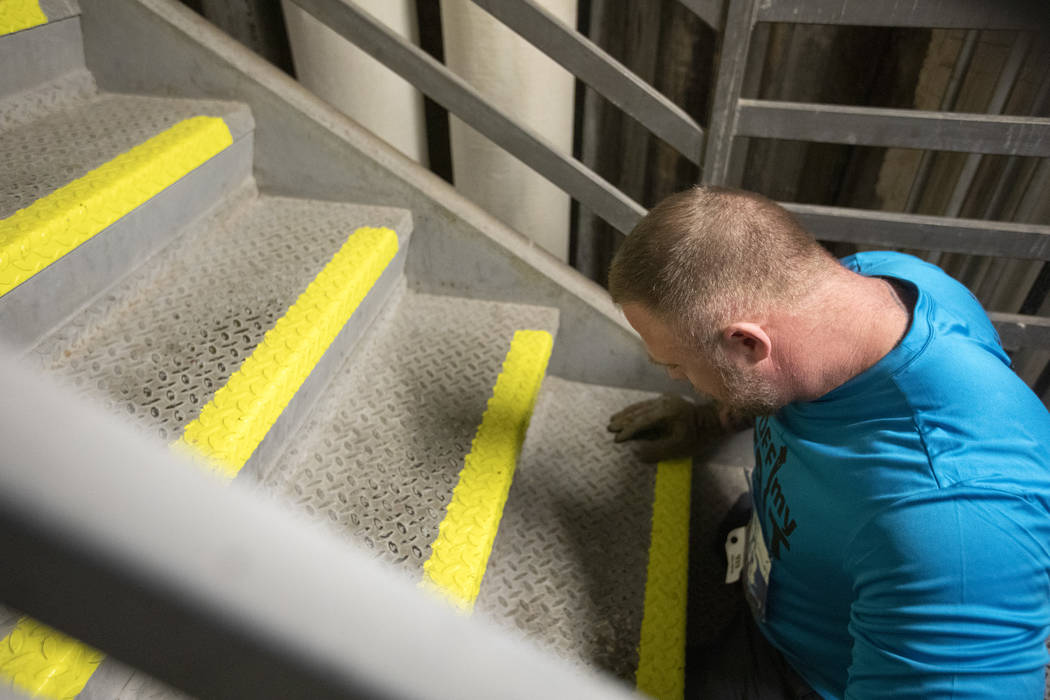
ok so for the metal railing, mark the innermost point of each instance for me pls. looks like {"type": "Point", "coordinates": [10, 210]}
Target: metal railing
{"type": "Point", "coordinates": [238, 596]}
{"type": "Point", "coordinates": [105, 514]}
{"type": "Point", "coordinates": [563, 44]}
{"type": "Point", "coordinates": [735, 119]}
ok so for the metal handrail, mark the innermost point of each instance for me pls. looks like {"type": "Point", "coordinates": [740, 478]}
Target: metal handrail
{"type": "Point", "coordinates": [901, 128]}
{"type": "Point", "coordinates": [218, 590]}
{"type": "Point", "coordinates": [584, 59]}
{"type": "Point", "coordinates": [456, 95]}
{"type": "Point", "coordinates": [958, 14]}
{"type": "Point", "coordinates": [736, 117]}
{"type": "Point", "coordinates": [732, 116]}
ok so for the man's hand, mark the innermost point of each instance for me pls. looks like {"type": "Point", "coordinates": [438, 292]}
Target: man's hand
{"type": "Point", "coordinates": [669, 427]}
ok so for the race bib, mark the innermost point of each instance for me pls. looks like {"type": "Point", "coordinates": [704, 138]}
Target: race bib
{"type": "Point", "coordinates": [736, 553]}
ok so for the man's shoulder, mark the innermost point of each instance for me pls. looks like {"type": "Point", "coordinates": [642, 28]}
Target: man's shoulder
{"type": "Point", "coordinates": [874, 263]}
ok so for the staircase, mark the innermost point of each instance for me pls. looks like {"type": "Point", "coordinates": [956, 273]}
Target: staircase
{"type": "Point", "coordinates": [194, 243]}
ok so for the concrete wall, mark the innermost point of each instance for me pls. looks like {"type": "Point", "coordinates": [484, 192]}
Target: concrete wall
{"type": "Point", "coordinates": [519, 79]}
{"type": "Point", "coordinates": [353, 82]}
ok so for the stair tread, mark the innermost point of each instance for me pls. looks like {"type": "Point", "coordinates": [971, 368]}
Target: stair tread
{"type": "Point", "coordinates": [568, 567]}
{"type": "Point", "coordinates": [158, 345]}
{"type": "Point", "coordinates": [55, 149]}
{"type": "Point", "coordinates": [382, 450]}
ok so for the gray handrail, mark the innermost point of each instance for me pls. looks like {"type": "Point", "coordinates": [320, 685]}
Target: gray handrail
{"type": "Point", "coordinates": [952, 235]}
{"type": "Point", "coordinates": [582, 57]}
{"type": "Point", "coordinates": [217, 590]}
{"type": "Point", "coordinates": [956, 14]}
{"type": "Point", "coordinates": [902, 128]}
{"type": "Point", "coordinates": [452, 92]}
{"type": "Point", "coordinates": [1018, 331]}
{"type": "Point", "coordinates": [732, 64]}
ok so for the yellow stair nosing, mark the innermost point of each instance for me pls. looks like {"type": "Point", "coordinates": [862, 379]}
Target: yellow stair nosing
{"type": "Point", "coordinates": [460, 553]}
{"type": "Point", "coordinates": [42, 233]}
{"type": "Point", "coordinates": [46, 663]}
{"type": "Point", "coordinates": [661, 648]}
{"type": "Point", "coordinates": [19, 15]}
{"type": "Point", "coordinates": [233, 424]}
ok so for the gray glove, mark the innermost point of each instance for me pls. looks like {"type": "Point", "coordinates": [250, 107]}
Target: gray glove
{"type": "Point", "coordinates": [669, 427]}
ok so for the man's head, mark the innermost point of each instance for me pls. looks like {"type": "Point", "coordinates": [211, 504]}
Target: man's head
{"type": "Point", "coordinates": [700, 278]}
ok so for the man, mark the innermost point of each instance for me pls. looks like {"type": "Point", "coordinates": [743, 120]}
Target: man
{"type": "Point", "coordinates": [900, 541]}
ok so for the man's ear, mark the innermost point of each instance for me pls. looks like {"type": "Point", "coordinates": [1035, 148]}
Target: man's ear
{"type": "Point", "coordinates": [746, 343]}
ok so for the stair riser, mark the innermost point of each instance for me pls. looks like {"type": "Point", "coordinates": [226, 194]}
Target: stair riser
{"type": "Point", "coordinates": [40, 303]}
{"type": "Point", "coordinates": [8, 620]}
{"type": "Point", "coordinates": [384, 292]}
{"type": "Point", "coordinates": [40, 54]}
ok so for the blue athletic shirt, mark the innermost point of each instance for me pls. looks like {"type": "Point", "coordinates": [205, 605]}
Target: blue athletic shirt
{"type": "Point", "coordinates": [907, 514]}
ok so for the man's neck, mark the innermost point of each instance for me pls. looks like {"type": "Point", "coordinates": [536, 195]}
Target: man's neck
{"type": "Point", "coordinates": [851, 324]}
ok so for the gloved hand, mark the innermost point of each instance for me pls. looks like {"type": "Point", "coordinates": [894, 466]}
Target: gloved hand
{"type": "Point", "coordinates": [668, 427]}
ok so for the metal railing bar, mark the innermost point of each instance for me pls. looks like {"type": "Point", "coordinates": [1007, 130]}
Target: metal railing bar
{"type": "Point", "coordinates": [111, 537]}
{"type": "Point", "coordinates": [898, 230]}
{"type": "Point", "coordinates": [453, 93]}
{"type": "Point", "coordinates": [933, 14]}
{"type": "Point", "coordinates": [732, 64]}
{"type": "Point", "coordinates": [1017, 331]}
{"type": "Point", "coordinates": [710, 11]}
{"type": "Point", "coordinates": [582, 57]}
{"type": "Point", "coordinates": [903, 128]}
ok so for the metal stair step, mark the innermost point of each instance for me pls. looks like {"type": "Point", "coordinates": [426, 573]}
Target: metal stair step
{"type": "Point", "coordinates": [158, 346]}
{"type": "Point", "coordinates": [52, 151]}
{"type": "Point", "coordinates": [138, 169]}
{"type": "Point", "coordinates": [569, 565]}
{"type": "Point", "coordinates": [383, 450]}
{"type": "Point", "coordinates": [380, 453]}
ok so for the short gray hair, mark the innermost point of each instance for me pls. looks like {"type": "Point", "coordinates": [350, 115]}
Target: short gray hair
{"type": "Point", "coordinates": [705, 255]}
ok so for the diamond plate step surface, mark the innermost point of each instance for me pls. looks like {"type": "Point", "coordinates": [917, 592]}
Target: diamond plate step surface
{"type": "Point", "coordinates": [569, 564]}
{"type": "Point", "coordinates": [379, 456]}
{"type": "Point", "coordinates": [157, 346]}
{"type": "Point", "coordinates": [41, 156]}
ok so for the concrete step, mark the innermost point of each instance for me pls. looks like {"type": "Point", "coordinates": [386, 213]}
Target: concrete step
{"type": "Point", "coordinates": [159, 345]}
{"type": "Point", "coordinates": [384, 448]}
{"type": "Point", "coordinates": [137, 169]}
{"type": "Point", "coordinates": [265, 296]}
{"type": "Point", "coordinates": [571, 564]}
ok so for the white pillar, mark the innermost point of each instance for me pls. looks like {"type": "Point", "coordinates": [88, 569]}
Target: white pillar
{"type": "Point", "coordinates": [520, 80]}
{"type": "Point", "coordinates": [355, 83]}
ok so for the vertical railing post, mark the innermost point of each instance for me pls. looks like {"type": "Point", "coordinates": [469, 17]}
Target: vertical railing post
{"type": "Point", "coordinates": [732, 64]}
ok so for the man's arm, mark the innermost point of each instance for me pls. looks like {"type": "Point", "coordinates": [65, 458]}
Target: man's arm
{"type": "Point", "coordinates": [951, 598]}
{"type": "Point", "coordinates": [671, 427]}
